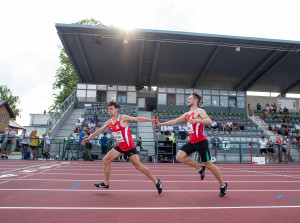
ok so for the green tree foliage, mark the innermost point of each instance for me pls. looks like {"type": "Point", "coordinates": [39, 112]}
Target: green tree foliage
{"type": "Point", "coordinates": [66, 78]}
{"type": "Point", "coordinates": [13, 101]}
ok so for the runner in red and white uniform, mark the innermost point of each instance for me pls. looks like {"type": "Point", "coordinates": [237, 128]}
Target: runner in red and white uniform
{"type": "Point", "coordinates": [196, 118]}
{"type": "Point", "coordinates": [118, 124]}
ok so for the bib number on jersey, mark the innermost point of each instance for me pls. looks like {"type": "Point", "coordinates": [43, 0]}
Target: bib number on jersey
{"type": "Point", "coordinates": [190, 129]}
{"type": "Point", "coordinates": [118, 136]}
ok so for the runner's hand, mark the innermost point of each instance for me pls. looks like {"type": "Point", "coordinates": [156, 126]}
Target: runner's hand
{"type": "Point", "coordinates": [84, 141]}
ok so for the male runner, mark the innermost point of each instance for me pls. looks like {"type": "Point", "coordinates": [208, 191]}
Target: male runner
{"type": "Point", "coordinates": [196, 119]}
{"type": "Point", "coordinates": [118, 124]}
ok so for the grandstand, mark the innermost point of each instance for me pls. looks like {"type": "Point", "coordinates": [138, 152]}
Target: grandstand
{"type": "Point", "coordinates": [171, 65]}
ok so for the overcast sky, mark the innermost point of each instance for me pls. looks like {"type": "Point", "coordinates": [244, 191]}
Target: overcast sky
{"type": "Point", "coordinates": [29, 53]}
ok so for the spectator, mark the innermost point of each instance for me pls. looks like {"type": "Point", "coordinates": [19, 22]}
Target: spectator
{"type": "Point", "coordinates": [47, 139]}
{"type": "Point", "coordinates": [169, 129]}
{"type": "Point", "coordinates": [90, 144]}
{"type": "Point", "coordinates": [172, 133]}
{"type": "Point", "coordinates": [263, 148]}
{"type": "Point", "coordinates": [25, 142]}
{"type": "Point", "coordinates": [78, 125]}
{"type": "Point", "coordinates": [81, 119]}
{"type": "Point", "coordinates": [182, 132]}
{"type": "Point", "coordinates": [280, 110]}
{"type": "Point", "coordinates": [104, 148]}
{"type": "Point", "coordinates": [229, 126]}
{"type": "Point", "coordinates": [236, 126]}
{"type": "Point", "coordinates": [268, 107]}
{"type": "Point", "coordinates": [139, 145]}
{"type": "Point", "coordinates": [34, 145]}
{"type": "Point", "coordinates": [286, 111]}
{"type": "Point", "coordinates": [297, 127]}
{"type": "Point", "coordinates": [82, 136]}
{"type": "Point", "coordinates": [163, 129]}
{"type": "Point", "coordinates": [258, 107]}
{"type": "Point", "coordinates": [93, 119]}
{"type": "Point", "coordinates": [271, 150]}
{"type": "Point", "coordinates": [215, 141]}
{"type": "Point", "coordinates": [277, 147]}
{"type": "Point", "coordinates": [201, 105]}
{"type": "Point", "coordinates": [224, 126]}
{"type": "Point", "coordinates": [91, 125]}
{"type": "Point", "coordinates": [171, 138]}
{"type": "Point", "coordinates": [7, 142]}
{"type": "Point", "coordinates": [285, 146]}
{"type": "Point", "coordinates": [214, 126]}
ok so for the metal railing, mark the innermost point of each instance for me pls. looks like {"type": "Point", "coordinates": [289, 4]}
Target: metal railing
{"type": "Point", "coordinates": [59, 113]}
{"type": "Point", "coordinates": [165, 151]}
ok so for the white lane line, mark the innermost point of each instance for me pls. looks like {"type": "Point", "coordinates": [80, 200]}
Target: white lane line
{"type": "Point", "coordinates": [148, 208]}
{"type": "Point", "coordinates": [165, 191]}
{"type": "Point", "coordinates": [7, 175]}
{"type": "Point", "coordinates": [164, 181]}
{"type": "Point", "coordinates": [4, 182]}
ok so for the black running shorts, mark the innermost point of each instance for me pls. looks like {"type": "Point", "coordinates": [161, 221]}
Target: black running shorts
{"type": "Point", "coordinates": [263, 151]}
{"type": "Point", "coordinates": [127, 153]}
{"type": "Point", "coordinates": [201, 147]}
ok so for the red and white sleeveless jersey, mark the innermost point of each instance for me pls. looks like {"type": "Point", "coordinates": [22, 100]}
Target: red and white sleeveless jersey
{"type": "Point", "coordinates": [122, 135]}
{"type": "Point", "coordinates": [195, 130]}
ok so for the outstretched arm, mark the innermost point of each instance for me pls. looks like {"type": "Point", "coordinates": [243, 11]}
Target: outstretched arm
{"type": "Point", "coordinates": [127, 118]}
{"type": "Point", "coordinates": [98, 132]}
{"type": "Point", "coordinates": [173, 122]}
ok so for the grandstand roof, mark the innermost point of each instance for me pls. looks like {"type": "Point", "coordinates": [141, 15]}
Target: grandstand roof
{"type": "Point", "coordinates": [107, 55]}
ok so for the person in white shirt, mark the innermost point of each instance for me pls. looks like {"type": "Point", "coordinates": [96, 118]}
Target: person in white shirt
{"type": "Point", "coordinates": [263, 147]}
{"type": "Point", "coordinates": [91, 125]}
{"type": "Point", "coordinates": [214, 126]}
{"type": "Point", "coordinates": [78, 125]}
{"type": "Point", "coordinates": [25, 142]}
{"type": "Point", "coordinates": [182, 132]}
{"type": "Point", "coordinates": [163, 129]}
{"type": "Point", "coordinates": [81, 119]}
{"type": "Point", "coordinates": [229, 125]}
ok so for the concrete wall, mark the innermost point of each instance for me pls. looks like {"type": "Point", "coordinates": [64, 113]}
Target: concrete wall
{"type": "Point", "coordinates": [38, 119]}
{"type": "Point", "coordinates": [253, 100]}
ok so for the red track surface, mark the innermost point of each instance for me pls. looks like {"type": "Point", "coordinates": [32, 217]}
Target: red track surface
{"type": "Point", "coordinates": [40, 191]}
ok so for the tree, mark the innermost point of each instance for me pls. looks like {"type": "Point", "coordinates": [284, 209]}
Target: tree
{"type": "Point", "coordinates": [66, 78]}
{"type": "Point", "coordinates": [13, 101]}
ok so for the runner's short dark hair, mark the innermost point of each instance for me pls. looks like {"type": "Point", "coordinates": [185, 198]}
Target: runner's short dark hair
{"type": "Point", "coordinates": [197, 96]}
{"type": "Point", "coordinates": [113, 103]}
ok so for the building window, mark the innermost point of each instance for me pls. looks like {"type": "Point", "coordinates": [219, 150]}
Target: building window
{"type": "Point", "coordinates": [131, 97]}
{"type": "Point", "coordinates": [206, 100]}
{"type": "Point", "coordinates": [122, 97]}
{"type": "Point", "coordinates": [111, 96]}
{"type": "Point", "coordinates": [224, 101]}
{"type": "Point", "coordinates": [162, 99]}
{"type": "Point", "coordinates": [241, 102]}
{"type": "Point", "coordinates": [3, 117]}
{"type": "Point", "coordinates": [91, 96]}
{"type": "Point", "coordinates": [215, 101]}
{"type": "Point", "coordinates": [179, 99]}
{"type": "Point", "coordinates": [81, 94]}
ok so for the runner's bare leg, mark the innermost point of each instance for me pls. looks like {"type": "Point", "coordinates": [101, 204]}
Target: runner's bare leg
{"type": "Point", "coordinates": [139, 166]}
{"type": "Point", "coordinates": [110, 156]}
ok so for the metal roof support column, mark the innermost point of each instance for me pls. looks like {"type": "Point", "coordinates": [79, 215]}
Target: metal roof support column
{"type": "Point", "coordinates": [268, 71]}
{"type": "Point", "coordinates": [69, 54]}
{"type": "Point", "coordinates": [154, 62]}
{"type": "Point", "coordinates": [207, 65]}
{"type": "Point", "coordinates": [77, 39]}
